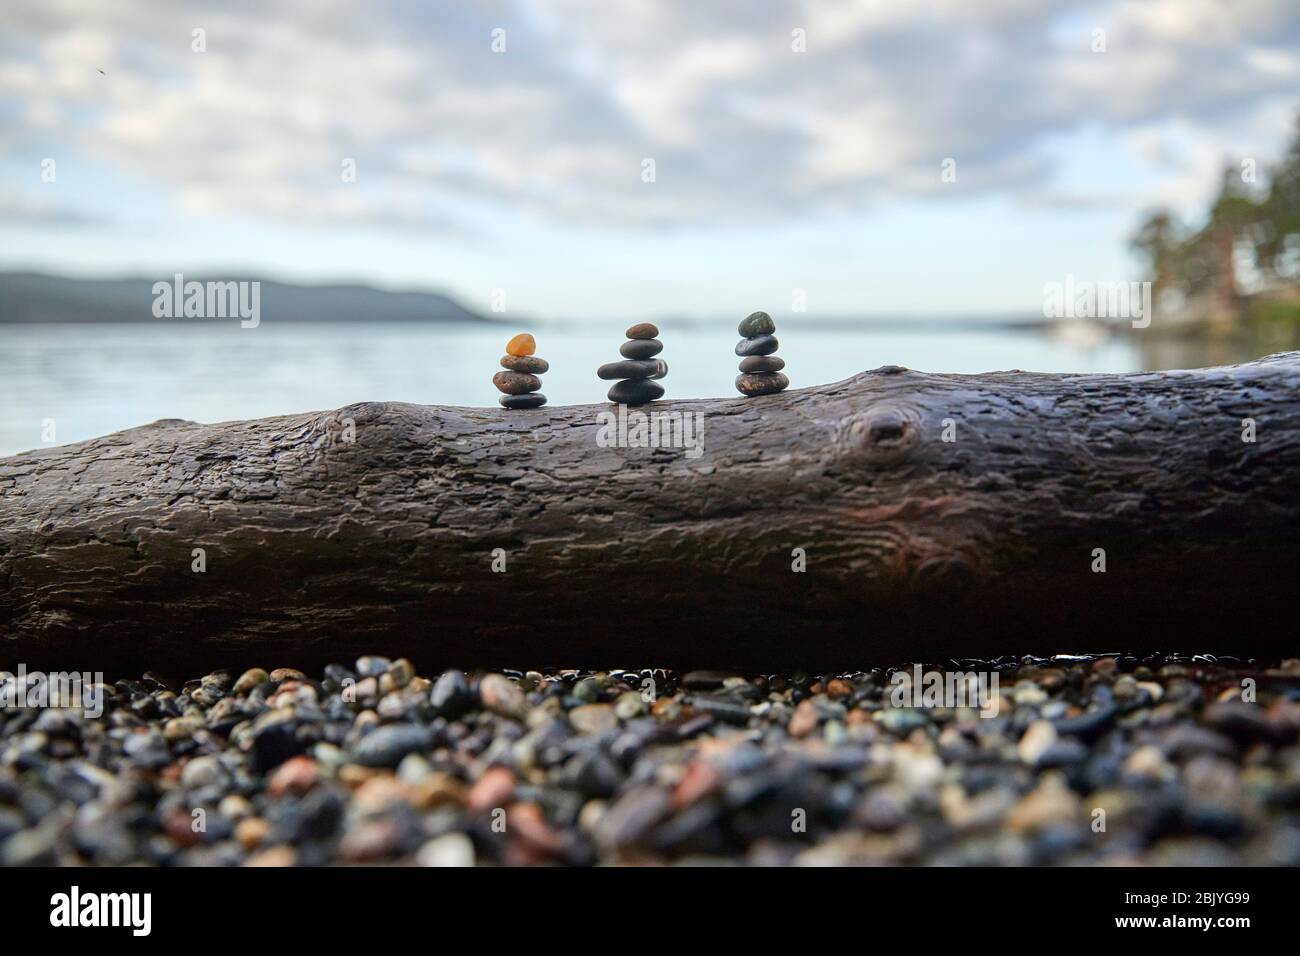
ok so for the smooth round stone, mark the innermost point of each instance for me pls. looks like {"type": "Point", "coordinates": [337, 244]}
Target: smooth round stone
{"type": "Point", "coordinates": [521, 344]}
{"type": "Point", "coordinates": [761, 383]}
{"type": "Point", "coordinates": [758, 345]}
{"type": "Point", "coordinates": [203, 772]}
{"type": "Point", "coordinates": [593, 718]}
{"type": "Point", "coordinates": [516, 383]}
{"type": "Point", "coordinates": [525, 363]}
{"type": "Point", "coordinates": [762, 363]}
{"type": "Point", "coordinates": [250, 679]}
{"type": "Point", "coordinates": [588, 689]}
{"type": "Point", "coordinates": [652, 368]}
{"type": "Point", "coordinates": [451, 695]}
{"type": "Point", "coordinates": [756, 323]}
{"type": "Point", "coordinates": [531, 400]}
{"type": "Point", "coordinates": [642, 330]}
{"type": "Point", "coordinates": [386, 746]}
{"type": "Point", "coordinates": [372, 666]}
{"type": "Point", "coordinates": [635, 391]}
{"type": "Point", "coordinates": [502, 696]}
{"type": "Point", "coordinates": [640, 348]}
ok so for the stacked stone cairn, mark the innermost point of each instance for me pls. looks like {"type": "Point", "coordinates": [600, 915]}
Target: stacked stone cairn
{"type": "Point", "coordinates": [760, 369]}
{"type": "Point", "coordinates": [520, 382]}
{"type": "Point", "coordinates": [638, 368]}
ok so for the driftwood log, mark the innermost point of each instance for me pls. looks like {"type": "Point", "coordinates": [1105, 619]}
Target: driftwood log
{"type": "Point", "coordinates": [321, 544]}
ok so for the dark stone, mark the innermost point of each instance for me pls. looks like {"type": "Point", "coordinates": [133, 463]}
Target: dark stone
{"type": "Point", "coordinates": [1066, 752]}
{"type": "Point", "coordinates": [761, 383]}
{"type": "Point", "coordinates": [593, 774]}
{"type": "Point", "coordinates": [386, 746]}
{"type": "Point", "coordinates": [147, 750]}
{"type": "Point", "coordinates": [635, 391]}
{"type": "Point", "coordinates": [320, 814]}
{"type": "Point", "coordinates": [531, 400]}
{"type": "Point", "coordinates": [640, 348]}
{"type": "Point", "coordinates": [516, 383]}
{"type": "Point", "coordinates": [642, 330]}
{"type": "Point", "coordinates": [1245, 722]}
{"type": "Point", "coordinates": [762, 363]}
{"type": "Point", "coordinates": [756, 323]}
{"type": "Point", "coordinates": [1213, 819]}
{"type": "Point", "coordinates": [451, 696]}
{"type": "Point", "coordinates": [274, 744]}
{"type": "Point", "coordinates": [692, 830]}
{"type": "Point", "coordinates": [653, 368]}
{"type": "Point", "coordinates": [335, 675]}
{"type": "Point", "coordinates": [1184, 741]}
{"type": "Point", "coordinates": [11, 822]}
{"type": "Point", "coordinates": [631, 817]}
{"type": "Point", "coordinates": [758, 345]}
{"type": "Point", "coordinates": [705, 680]}
{"type": "Point", "coordinates": [530, 364]}
{"type": "Point", "coordinates": [1087, 725]}
{"type": "Point", "coordinates": [722, 708]}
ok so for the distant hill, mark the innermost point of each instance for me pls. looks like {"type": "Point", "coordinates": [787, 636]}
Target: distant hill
{"type": "Point", "coordinates": [32, 297]}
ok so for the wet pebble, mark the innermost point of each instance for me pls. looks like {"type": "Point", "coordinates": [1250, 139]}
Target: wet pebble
{"type": "Point", "coordinates": [635, 391]}
{"type": "Point", "coordinates": [451, 695]}
{"type": "Point", "coordinates": [516, 383]}
{"type": "Point", "coordinates": [502, 696]}
{"type": "Point", "coordinates": [593, 718]}
{"type": "Point", "coordinates": [762, 363]}
{"type": "Point", "coordinates": [581, 767]}
{"type": "Point", "coordinates": [756, 323]}
{"type": "Point", "coordinates": [759, 345]}
{"type": "Point", "coordinates": [527, 364]}
{"type": "Point", "coordinates": [385, 746]}
{"type": "Point", "coordinates": [530, 400]}
{"type": "Point", "coordinates": [640, 349]}
{"type": "Point", "coordinates": [628, 369]}
{"type": "Point", "coordinates": [761, 383]}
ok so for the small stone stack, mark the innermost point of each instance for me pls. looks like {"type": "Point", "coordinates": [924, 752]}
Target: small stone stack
{"type": "Point", "coordinates": [760, 369]}
{"type": "Point", "coordinates": [520, 382]}
{"type": "Point", "coordinates": [638, 368]}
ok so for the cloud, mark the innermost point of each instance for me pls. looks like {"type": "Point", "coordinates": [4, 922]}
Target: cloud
{"type": "Point", "coordinates": [1068, 201]}
{"type": "Point", "coordinates": [20, 210]}
{"type": "Point", "coordinates": [741, 127]}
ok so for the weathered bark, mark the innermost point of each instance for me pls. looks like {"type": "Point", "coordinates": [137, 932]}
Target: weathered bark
{"type": "Point", "coordinates": [917, 548]}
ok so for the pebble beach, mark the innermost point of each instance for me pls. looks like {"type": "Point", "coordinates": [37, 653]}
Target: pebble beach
{"type": "Point", "coordinates": [1089, 760]}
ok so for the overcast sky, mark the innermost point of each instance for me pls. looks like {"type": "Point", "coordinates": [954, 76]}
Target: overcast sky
{"type": "Point", "coordinates": [796, 146]}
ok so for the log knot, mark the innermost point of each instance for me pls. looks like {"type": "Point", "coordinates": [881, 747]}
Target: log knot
{"type": "Point", "coordinates": [373, 423]}
{"type": "Point", "coordinates": [885, 434]}
{"type": "Point", "coordinates": [952, 574]}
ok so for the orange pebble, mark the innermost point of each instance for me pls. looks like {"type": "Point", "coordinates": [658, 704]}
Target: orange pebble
{"type": "Point", "coordinates": [521, 344]}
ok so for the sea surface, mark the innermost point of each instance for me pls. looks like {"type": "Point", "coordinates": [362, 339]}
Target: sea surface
{"type": "Point", "coordinates": [66, 383]}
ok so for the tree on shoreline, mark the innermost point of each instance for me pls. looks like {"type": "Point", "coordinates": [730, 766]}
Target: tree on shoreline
{"type": "Point", "coordinates": [1280, 248]}
{"type": "Point", "coordinates": [1259, 223]}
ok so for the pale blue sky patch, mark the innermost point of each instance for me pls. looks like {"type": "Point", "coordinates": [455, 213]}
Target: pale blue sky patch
{"type": "Point", "coordinates": [774, 170]}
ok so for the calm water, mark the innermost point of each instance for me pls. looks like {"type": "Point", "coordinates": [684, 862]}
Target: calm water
{"type": "Point", "coordinates": [93, 379]}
